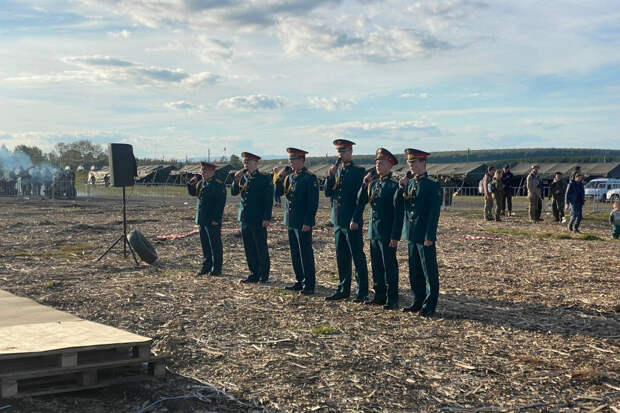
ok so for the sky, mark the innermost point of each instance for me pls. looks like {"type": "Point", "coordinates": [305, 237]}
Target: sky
{"type": "Point", "coordinates": [185, 78]}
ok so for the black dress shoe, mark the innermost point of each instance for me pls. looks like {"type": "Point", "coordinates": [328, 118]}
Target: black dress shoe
{"type": "Point", "coordinates": [336, 296]}
{"type": "Point", "coordinates": [393, 306]}
{"type": "Point", "coordinates": [307, 291]}
{"type": "Point", "coordinates": [263, 281]}
{"type": "Point", "coordinates": [413, 308]}
{"type": "Point", "coordinates": [375, 301]}
{"type": "Point", "coordinates": [215, 273]}
{"type": "Point", "coordinates": [360, 300]}
{"type": "Point", "coordinates": [249, 280]}
{"type": "Point", "coordinates": [427, 313]}
{"type": "Point", "coordinates": [203, 271]}
{"type": "Point", "coordinates": [294, 287]}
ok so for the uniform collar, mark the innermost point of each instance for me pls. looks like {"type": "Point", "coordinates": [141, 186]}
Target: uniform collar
{"type": "Point", "coordinates": [254, 173]}
{"type": "Point", "coordinates": [386, 177]}
{"type": "Point", "coordinates": [420, 176]}
{"type": "Point", "coordinates": [348, 163]}
{"type": "Point", "coordinates": [301, 171]}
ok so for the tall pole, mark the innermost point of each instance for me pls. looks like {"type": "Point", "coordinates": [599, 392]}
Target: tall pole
{"type": "Point", "coordinates": [124, 226]}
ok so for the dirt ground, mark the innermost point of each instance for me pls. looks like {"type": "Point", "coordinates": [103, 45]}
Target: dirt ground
{"type": "Point", "coordinates": [528, 316]}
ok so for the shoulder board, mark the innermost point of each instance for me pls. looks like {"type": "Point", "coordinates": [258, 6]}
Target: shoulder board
{"type": "Point", "coordinates": [219, 181]}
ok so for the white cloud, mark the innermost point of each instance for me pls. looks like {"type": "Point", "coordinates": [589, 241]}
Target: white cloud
{"type": "Point", "coordinates": [123, 34]}
{"type": "Point", "coordinates": [218, 13]}
{"type": "Point", "coordinates": [105, 69]}
{"type": "Point", "coordinates": [422, 95]}
{"type": "Point", "coordinates": [183, 105]}
{"type": "Point", "coordinates": [213, 50]}
{"type": "Point", "coordinates": [252, 102]}
{"type": "Point", "coordinates": [392, 129]}
{"type": "Point", "coordinates": [331, 104]}
{"type": "Point", "coordinates": [379, 45]}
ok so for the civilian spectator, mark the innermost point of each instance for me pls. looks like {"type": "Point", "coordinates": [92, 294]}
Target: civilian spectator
{"type": "Point", "coordinates": [534, 194]}
{"type": "Point", "coordinates": [506, 180]}
{"type": "Point", "coordinates": [575, 198]}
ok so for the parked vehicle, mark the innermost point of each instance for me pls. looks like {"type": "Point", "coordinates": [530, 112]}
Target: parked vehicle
{"type": "Point", "coordinates": [597, 188]}
{"type": "Point", "coordinates": [613, 195]}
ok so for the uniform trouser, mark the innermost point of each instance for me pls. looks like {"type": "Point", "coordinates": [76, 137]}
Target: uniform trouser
{"type": "Point", "coordinates": [350, 246]}
{"type": "Point", "coordinates": [302, 256]}
{"type": "Point", "coordinates": [488, 207]}
{"type": "Point", "coordinates": [557, 204]}
{"type": "Point", "coordinates": [384, 271]}
{"type": "Point", "coordinates": [535, 207]}
{"type": "Point", "coordinates": [211, 240]}
{"type": "Point", "coordinates": [499, 204]}
{"type": "Point", "coordinates": [507, 203]}
{"type": "Point", "coordinates": [423, 275]}
{"type": "Point", "coordinates": [256, 251]}
{"type": "Point", "coordinates": [615, 231]}
{"type": "Point", "coordinates": [575, 216]}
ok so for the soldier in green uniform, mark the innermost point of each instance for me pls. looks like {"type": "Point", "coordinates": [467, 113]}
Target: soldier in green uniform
{"type": "Point", "coordinates": [421, 199]}
{"type": "Point", "coordinates": [342, 186]}
{"type": "Point", "coordinates": [255, 208]}
{"type": "Point", "coordinates": [211, 194]}
{"type": "Point", "coordinates": [384, 227]}
{"type": "Point", "coordinates": [301, 190]}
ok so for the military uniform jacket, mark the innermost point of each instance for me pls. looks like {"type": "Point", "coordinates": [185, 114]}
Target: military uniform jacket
{"type": "Point", "coordinates": [301, 190]}
{"type": "Point", "coordinates": [386, 215]}
{"type": "Point", "coordinates": [422, 204]}
{"type": "Point", "coordinates": [343, 188]}
{"type": "Point", "coordinates": [558, 189]}
{"type": "Point", "coordinates": [256, 201]}
{"type": "Point", "coordinates": [211, 200]}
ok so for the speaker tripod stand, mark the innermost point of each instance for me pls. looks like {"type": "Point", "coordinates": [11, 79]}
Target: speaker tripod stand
{"type": "Point", "coordinates": [123, 237]}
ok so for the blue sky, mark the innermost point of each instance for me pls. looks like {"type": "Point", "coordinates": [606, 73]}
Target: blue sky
{"type": "Point", "coordinates": [177, 78]}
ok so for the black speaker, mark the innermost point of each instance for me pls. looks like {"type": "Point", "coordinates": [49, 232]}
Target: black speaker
{"type": "Point", "coordinates": [123, 166]}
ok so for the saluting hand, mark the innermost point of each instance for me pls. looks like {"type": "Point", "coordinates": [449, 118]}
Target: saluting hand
{"type": "Point", "coordinates": [333, 170]}
{"type": "Point", "coordinates": [403, 181]}
{"type": "Point", "coordinates": [393, 243]}
{"type": "Point", "coordinates": [354, 226]}
{"type": "Point", "coordinates": [368, 178]}
{"type": "Point", "coordinates": [428, 243]}
{"type": "Point", "coordinates": [239, 174]}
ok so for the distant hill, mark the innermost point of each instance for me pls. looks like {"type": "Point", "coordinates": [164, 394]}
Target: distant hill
{"type": "Point", "coordinates": [501, 156]}
{"type": "Point", "coordinates": [491, 156]}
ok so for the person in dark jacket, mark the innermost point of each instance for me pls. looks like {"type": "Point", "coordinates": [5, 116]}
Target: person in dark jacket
{"type": "Point", "coordinates": [507, 202]}
{"type": "Point", "coordinates": [557, 193]}
{"type": "Point", "coordinates": [342, 186]}
{"type": "Point", "coordinates": [301, 190]}
{"type": "Point", "coordinates": [575, 198]}
{"type": "Point", "coordinates": [211, 194]}
{"type": "Point", "coordinates": [421, 200]}
{"type": "Point", "coordinates": [255, 209]}
{"type": "Point", "coordinates": [384, 227]}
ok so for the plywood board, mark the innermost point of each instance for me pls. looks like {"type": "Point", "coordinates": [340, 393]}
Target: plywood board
{"type": "Point", "coordinates": [29, 328]}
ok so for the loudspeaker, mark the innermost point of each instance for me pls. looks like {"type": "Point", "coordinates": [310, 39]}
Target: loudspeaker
{"type": "Point", "coordinates": [123, 166]}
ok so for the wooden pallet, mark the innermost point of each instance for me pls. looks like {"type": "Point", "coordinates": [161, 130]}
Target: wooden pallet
{"type": "Point", "coordinates": [45, 351]}
{"type": "Point", "coordinates": [54, 381]}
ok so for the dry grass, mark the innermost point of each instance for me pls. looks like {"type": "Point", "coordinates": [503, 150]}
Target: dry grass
{"type": "Point", "coordinates": [526, 321]}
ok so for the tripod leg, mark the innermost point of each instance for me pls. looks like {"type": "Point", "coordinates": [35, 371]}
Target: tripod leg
{"type": "Point", "coordinates": [109, 248]}
{"type": "Point", "coordinates": [133, 254]}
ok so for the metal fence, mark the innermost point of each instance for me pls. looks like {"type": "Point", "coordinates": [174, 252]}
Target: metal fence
{"type": "Point", "coordinates": [470, 197]}
{"type": "Point", "coordinates": [452, 197]}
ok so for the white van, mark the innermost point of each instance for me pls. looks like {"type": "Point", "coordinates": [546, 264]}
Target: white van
{"type": "Point", "coordinates": [597, 188]}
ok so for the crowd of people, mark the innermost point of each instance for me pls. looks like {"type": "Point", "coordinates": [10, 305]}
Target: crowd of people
{"type": "Point", "coordinates": [564, 195]}
{"type": "Point", "coordinates": [406, 208]}
{"type": "Point", "coordinates": [400, 208]}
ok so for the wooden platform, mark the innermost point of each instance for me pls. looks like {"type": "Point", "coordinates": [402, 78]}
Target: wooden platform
{"type": "Point", "coordinates": [45, 351]}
